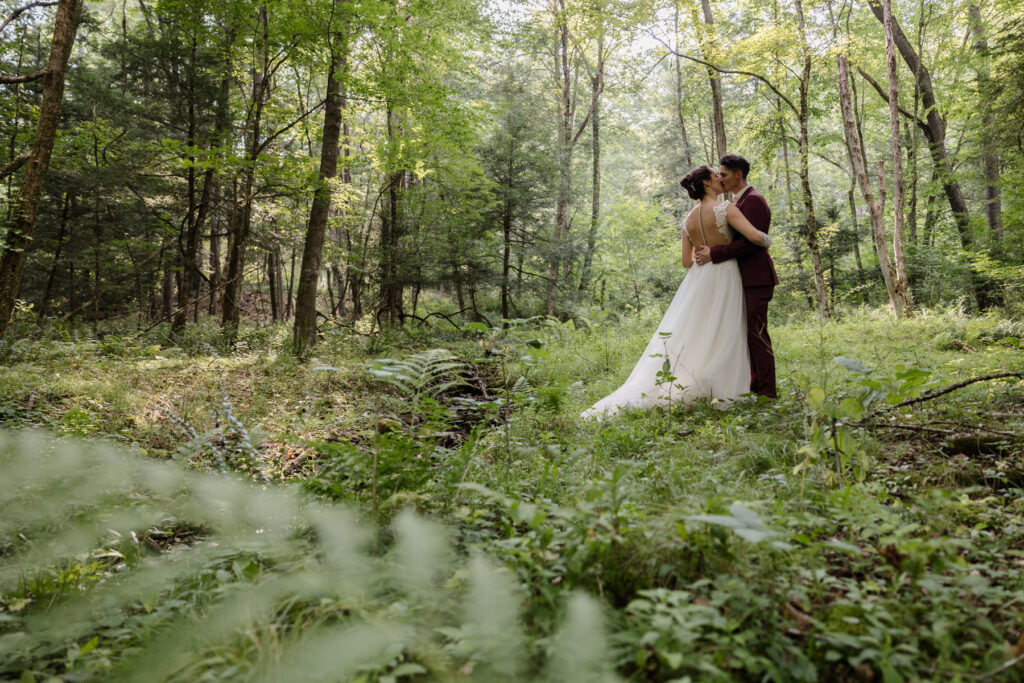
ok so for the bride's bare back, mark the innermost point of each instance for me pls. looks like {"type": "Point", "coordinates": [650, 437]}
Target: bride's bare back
{"type": "Point", "coordinates": [707, 224]}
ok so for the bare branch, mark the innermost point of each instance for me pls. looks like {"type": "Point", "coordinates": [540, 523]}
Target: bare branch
{"type": "Point", "coordinates": [953, 387]}
{"type": "Point", "coordinates": [885, 96]}
{"type": "Point", "coordinates": [722, 70]}
{"type": "Point", "coordinates": [21, 10]}
{"type": "Point", "coordinates": [11, 80]}
{"type": "Point", "coordinates": [277, 133]}
{"type": "Point", "coordinates": [15, 164]}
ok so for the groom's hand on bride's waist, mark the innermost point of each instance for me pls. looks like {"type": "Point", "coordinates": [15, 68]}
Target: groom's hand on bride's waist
{"type": "Point", "coordinates": [702, 255]}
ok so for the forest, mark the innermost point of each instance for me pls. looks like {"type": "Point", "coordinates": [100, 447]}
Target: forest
{"type": "Point", "coordinates": [301, 302]}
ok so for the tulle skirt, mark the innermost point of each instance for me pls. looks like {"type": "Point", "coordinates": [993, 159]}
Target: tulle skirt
{"type": "Point", "coordinates": [703, 335]}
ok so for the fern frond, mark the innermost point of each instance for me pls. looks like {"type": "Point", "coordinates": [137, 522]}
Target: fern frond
{"type": "Point", "coordinates": [428, 373]}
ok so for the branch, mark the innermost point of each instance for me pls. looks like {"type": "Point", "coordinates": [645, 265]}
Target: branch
{"type": "Point", "coordinates": [885, 96]}
{"type": "Point", "coordinates": [274, 135]}
{"type": "Point", "coordinates": [21, 10]}
{"type": "Point", "coordinates": [953, 387]}
{"type": "Point", "coordinates": [15, 164]}
{"type": "Point", "coordinates": [720, 70]}
{"type": "Point", "coordinates": [11, 80]}
{"type": "Point", "coordinates": [447, 317]}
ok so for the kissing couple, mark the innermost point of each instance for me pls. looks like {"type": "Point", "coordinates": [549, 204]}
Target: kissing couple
{"type": "Point", "coordinates": [713, 340]}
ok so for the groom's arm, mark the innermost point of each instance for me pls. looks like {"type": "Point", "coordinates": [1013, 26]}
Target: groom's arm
{"type": "Point", "coordinates": [758, 214]}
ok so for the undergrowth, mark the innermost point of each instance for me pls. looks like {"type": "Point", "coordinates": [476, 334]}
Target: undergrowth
{"type": "Point", "coordinates": [833, 534]}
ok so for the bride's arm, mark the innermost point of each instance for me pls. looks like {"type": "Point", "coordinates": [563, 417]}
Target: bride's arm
{"type": "Point", "coordinates": [738, 221]}
{"type": "Point", "coordinates": [687, 248]}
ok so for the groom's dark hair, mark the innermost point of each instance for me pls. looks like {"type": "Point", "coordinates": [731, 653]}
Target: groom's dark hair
{"type": "Point", "coordinates": [734, 162]}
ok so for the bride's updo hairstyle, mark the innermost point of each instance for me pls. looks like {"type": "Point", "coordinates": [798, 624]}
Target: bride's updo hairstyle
{"type": "Point", "coordinates": [693, 182]}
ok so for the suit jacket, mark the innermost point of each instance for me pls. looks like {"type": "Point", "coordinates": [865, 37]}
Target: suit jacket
{"type": "Point", "coordinates": [756, 266]}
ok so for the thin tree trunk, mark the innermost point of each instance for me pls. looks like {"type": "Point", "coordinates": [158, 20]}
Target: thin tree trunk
{"type": "Point", "coordinates": [989, 143]}
{"type": "Point", "coordinates": [679, 96]}
{"type": "Point", "coordinates": [239, 241]}
{"type": "Point", "coordinates": [52, 277]}
{"type": "Point", "coordinates": [805, 174]}
{"type": "Point", "coordinates": [858, 161]}
{"type": "Point", "coordinates": [276, 286]}
{"type": "Point", "coordinates": [316, 229]}
{"type": "Point", "coordinates": [931, 214]}
{"type": "Point", "coordinates": [913, 136]}
{"type": "Point", "coordinates": [934, 128]}
{"type": "Point", "coordinates": [567, 141]}
{"type": "Point", "coordinates": [856, 231]}
{"type": "Point", "coordinates": [910, 135]}
{"type": "Point", "coordinates": [595, 202]}
{"type": "Point", "coordinates": [903, 308]}
{"type": "Point", "coordinates": [215, 260]}
{"type": "Point", "coordinates": [18, 237]}
{"type": "Point", "coordinates": [506, 229]}
{"type": "Point", "coordinates": [389, 309]}
{"type": "Point", "coordinates": [707, 48]}
{"type": "Point", "coordinates": [198, 212]}
{"type": "Point", "coordinates": [289, 304]}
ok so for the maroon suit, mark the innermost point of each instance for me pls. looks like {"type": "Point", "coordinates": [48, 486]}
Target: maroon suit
{"type": "Point", "coordinates": [759, 280]}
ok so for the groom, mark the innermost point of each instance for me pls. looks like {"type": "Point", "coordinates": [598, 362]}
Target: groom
{"type": "Point", "coordinates": [756, 270]}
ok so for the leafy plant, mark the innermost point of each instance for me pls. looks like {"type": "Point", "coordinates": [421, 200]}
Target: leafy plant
{"type": "Point", "coordinates": [97, 594]}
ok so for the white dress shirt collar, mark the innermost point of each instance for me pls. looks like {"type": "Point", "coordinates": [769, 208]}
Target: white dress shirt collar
{"type": "Point", "coordinates": [743, 192]}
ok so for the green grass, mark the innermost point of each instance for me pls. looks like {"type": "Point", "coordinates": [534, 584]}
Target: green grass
{"type": "Point", "coordinates": [720, 545]}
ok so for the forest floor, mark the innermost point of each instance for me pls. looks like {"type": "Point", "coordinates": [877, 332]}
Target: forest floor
{"type": "Point", "coordinates": [833, 534]}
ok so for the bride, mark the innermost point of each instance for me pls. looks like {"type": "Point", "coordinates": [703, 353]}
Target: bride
{"type": "Point", "coordinates": [700, 348]}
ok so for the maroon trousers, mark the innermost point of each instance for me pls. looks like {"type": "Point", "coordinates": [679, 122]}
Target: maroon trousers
{"type": "Point", "coordinates": [759, 344]}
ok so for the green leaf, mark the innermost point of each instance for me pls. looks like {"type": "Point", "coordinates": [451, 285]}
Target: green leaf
{"type": "Point", "coordinates": [90, 646]}
{"type": "Point", "coordinates": [409, 668]}
{"type": "Point", "coordinates": [852, 364]}
{"type": "Point", "coordinates": [852, 407]}
{"type": "Point", "coordinates": [815, 397]}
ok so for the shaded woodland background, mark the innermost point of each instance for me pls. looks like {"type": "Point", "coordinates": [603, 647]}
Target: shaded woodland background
{"type": "Point", "coordinates": [372, 163]}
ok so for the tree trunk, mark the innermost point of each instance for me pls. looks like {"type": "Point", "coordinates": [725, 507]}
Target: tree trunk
{"type": "Point", "coordinates": [389, 308]}
{"type": "Point", "coordinates": [567, 141]}
{"type": "Point", "coordinates": [595, 203]}
{"type": "Point", "coordinates": [903, 308]}
{"type": "Point", "coordinates": [564, 196]}
{"type": "Point", "coordinates": [305, 300]}
{"type": "Point", "coordinates": [215, 261]}
{"type": "Point", "coordinates": [805, 174]}
{"type": "Point", "coordinates": [52, 277]}
{"type": "Point", "coordinates": [989, 143]}
{"type": "Point", "coordinates": [275, 278]}
{"type": "Point", "coordinates": [239, 241]}
{"type": "Point", "coordinates": [289, 310]}
{"type": "Point", "coordinates": [856, 231]}
{"type": "Point", "coordinates": [858, 161]}
{"type": "Point", "coordinates": [18, 237]}
{"type": "Point", "coordinates": [679, 97]}
{"type": "Point", "coordinates": [706, 48]}
{"type": "Point", "coordinates": [910, 135]}
{"type": "Point", "coordinates": [197, 215]}
{"type": "Point", "coordinates": [506, 229]}
{"type": "Point", "coordinates": [934, 127]}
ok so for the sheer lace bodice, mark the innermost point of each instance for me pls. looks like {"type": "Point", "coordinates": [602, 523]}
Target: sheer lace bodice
{"type": "Point", "coordinates": [717, 237]}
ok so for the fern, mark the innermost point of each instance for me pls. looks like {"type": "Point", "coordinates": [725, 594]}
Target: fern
{"type": "Point", "coordinates": [429, 373]}
{"type": "Point", "coordinates": [266, 586]}
{"type": "Point", "coordinates": [421, 377]}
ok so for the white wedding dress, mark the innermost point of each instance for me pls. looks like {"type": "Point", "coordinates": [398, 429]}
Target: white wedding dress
{"type": "Point", "coordinates": [703, 335]}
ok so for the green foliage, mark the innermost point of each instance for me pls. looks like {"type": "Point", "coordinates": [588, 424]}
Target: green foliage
{"type": "Point", "coordinates": [702, 552]}
{"type": "Point", "coordinates": [107, 593]}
